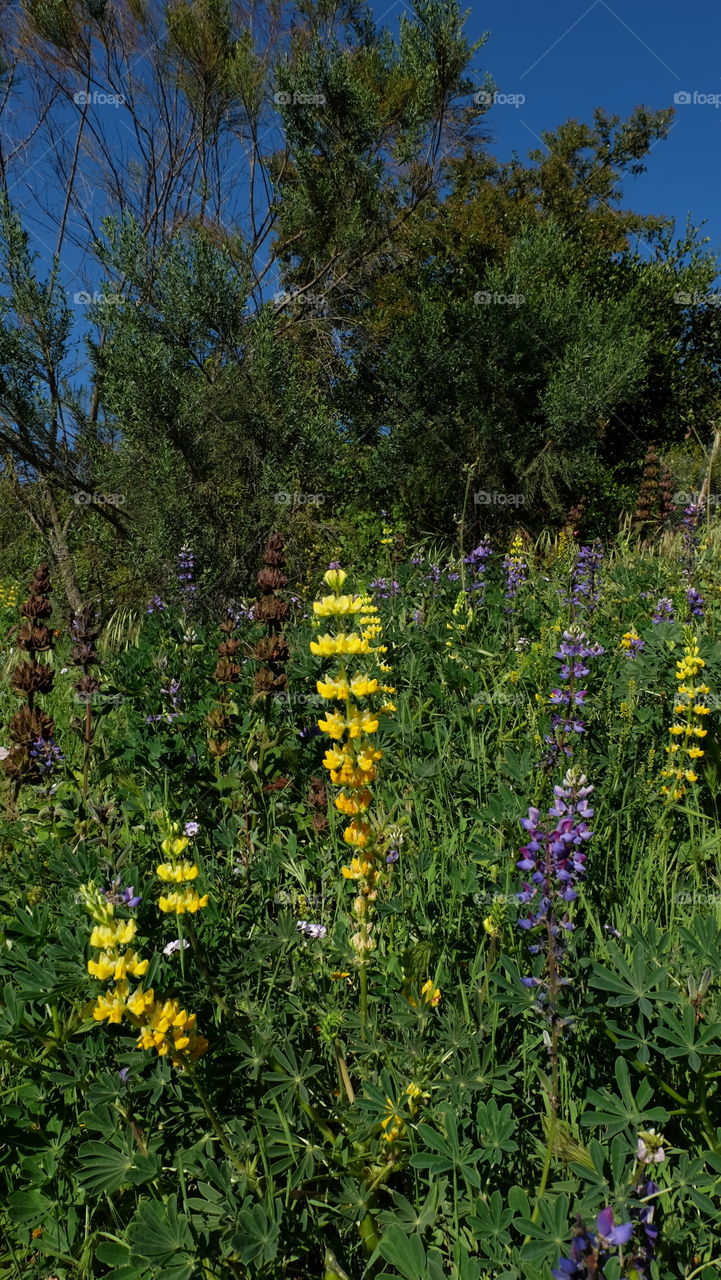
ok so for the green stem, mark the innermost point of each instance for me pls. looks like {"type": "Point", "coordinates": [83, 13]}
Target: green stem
{"type": "Point", "coordinates": [363, 999]}
{"type": "Point", "coordinates": [214, 1120]}
{"type": "Point", "coordinates": [715, 1262]}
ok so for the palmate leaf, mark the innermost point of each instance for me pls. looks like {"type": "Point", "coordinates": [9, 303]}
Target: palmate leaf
{"type": "Point", "coordinates": [617, 1113]}
{"type": "Point", "coordinates": [161, 1238]}
{"type": "Point", "coordinates": [257, 1237]}
{"type": "Point", "coordinates": [103, 1169]}
{"type": "Point", "coordinates": [407, 1255]}
{"type": "Point", "coordinates": [549, 1235]}
{"type": "Point", "coordinates": [688, 1038]}
{"type": "Point", "coordinates": [636, 983]}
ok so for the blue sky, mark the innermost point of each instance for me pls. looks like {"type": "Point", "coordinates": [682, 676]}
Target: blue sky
{"type": "Point", "coordinates": [562, 61]}
{"type": "Point", "coordinates": [571, 56]}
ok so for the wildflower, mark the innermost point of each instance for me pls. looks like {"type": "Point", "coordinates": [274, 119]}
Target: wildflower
{"type": "Point", "coordinates": [311, 930]}
{"type": "Point", "coordinates": [690, 704]}
{"type": "Point", "coordinates": [585, 590]}
{"type": "Point", "coordinates": [695, 603]}
{"type": "Point", "coordinates": [33, 753]}
{"type": "Point", "coordinates": [176, 945]}
{"type": "Point", "coordinates": [191, 829]}
{"type": "Point", "coordinates": [477, 560]}
{"type": "Point", "coordinates": [176, 872]}
{"type": "Point", "coordinates": [664, 611]}
{"type": "Point", "coordinates": [119, 896]}
{"type": "Point", "coordinates": [186, 572]}
{"type": "Point", "coordinates": [180, 902]}
{"type": "Point", "coordinates": [650, 1148]}
{"type": "Point", "coordinates": [516, 571]}
{"type": "Point", "coordinates": [632, 643]}
{"type": "Point", "coordinates": [393, 1124]}
{"type": "Point", "coordinates": [590, 1250]}
{"type": "Point", "coordinates": [572, 653]}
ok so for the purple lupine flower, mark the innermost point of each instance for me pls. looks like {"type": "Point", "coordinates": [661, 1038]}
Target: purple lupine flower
{"type": "Point", "coordinates": [123, 1074]}
{"type": "Point", "coordinates": [695, 603]}
{"type": "Point", "coordinates": [553, 861]}
{"type": "Point", "coordinates": [664, 611]}
{"type": "Point", "coordinates": [416, 560]}
{"type": "Point", "coordinates": [385, 587]}
{"type": "Point", "coordinates": [591, 1250]}
{"type": "Point", "coordinates": [572, 654]}
{"type": "Point", "coordinates": [156, 605]}
{"type": "Point", "coordinates": [119, 896]}
{"type": "Point", "coordinates": [417, 616]}
{"type": "Point", "coordinates": [311, 930]}
{"type": "Point", "coordinates": [434, 574]}
{"type": "Point", "coordinates": [186, 571]}
{"type": "Point", "coordinates": [47, 755]}
{"type": "Point", "coordinates": [645, 1251]}
{"type": "Point", "coordinates": [191, 829]}
{"type": "Point", "coordinates": [173, 692]}
{"type": "Point", "coordinates": [392, 856]}
{"type": "Point", "coordinates": [477, 560]}
{"type": "Point", "coordinates": [585, 586]}
{"type": "Point", "coordinates": [608, 1233]}
{"type": "Point", "coordinates": [334, 564]}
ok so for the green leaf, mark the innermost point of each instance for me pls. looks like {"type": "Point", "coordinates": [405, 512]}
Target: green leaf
{"type": "Point", "coordinates": [161, 1237]}
{"type": "Point", "coordinates": [104, 1169]}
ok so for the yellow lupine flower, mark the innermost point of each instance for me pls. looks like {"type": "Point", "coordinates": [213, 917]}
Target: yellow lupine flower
{"type": "Point", "coordinates": [335, 578]}
{"type": "Point", "coordinates": [362, 687]}
{"type": "Point", "coordinates": [333, 724]}
{"type": "Point", "coordinates": [337, 606]}
{"type": "Point", "coordinates": [108, 936]}
{"type": "Point", "coordinates": [182, 901]}
{"type": "Point", "coordinates": [345, 642]}
{"type": "Point", "coordinates": [110, 1007]}
{"type": "Point", "coordinates": [337, 689]}
{"type": "Point", "coordinates": [351, 805]}
{"type": "Point", "coordinates": [173, 847]}
{"type": "Point", "coordinates": [357, 833]}
{"type": "Point", "coordinates": [110, 965]}
{"type": "Point", "coordinates": [140, 1001]}
{"type": "Point", "coordinates": [392, 1124]}
{"type": "Point", "coordinates": [430, 994]}
{"type": "Point", "coordinates": [357, 869]}
{"type": "Point", "coordinates": [176, 873]}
